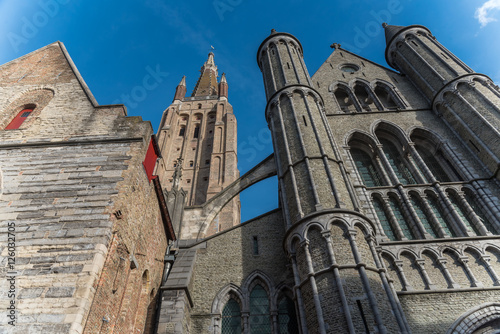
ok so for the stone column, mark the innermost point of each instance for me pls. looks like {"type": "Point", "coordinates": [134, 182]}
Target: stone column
{"type": "Point", "coordinates": [338, 280]}
{"type": "Point", "coordinates": [314, 288]}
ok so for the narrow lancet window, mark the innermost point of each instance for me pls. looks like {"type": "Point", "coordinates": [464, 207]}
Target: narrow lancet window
{"type": "Point", "coordinates": [231, 318]}
{"type": "Point", "coordinates": [384, 220]}
{"type": "Point", "coordinates": [366, 168]}
{"type": "Point", "coordinates": [397, 163]}
{"type": "Point", "coordinates": [259, 319]}
{"type": "Point", "coordinates": [400, 218]}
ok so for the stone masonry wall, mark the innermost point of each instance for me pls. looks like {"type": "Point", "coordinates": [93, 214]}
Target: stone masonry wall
{"type": "Point", "coordinates": [64, 174]}
{"type": "Point", "coordinates": [60, 200]}
{"type": "Point", "coordinates": [431, 313]}
{"type": "Point", "coordinates": [228, 259]}
{"type": "Point", "coordinates": [134, 266]}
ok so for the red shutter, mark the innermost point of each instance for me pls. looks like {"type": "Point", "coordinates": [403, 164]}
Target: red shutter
{"type": "Point", "coordinates": [19, 119]}
{"type": "Point", "coordinates": [149, 162]}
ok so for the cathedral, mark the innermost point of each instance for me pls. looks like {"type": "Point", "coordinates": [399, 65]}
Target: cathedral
{"type": "Point", "coordinates": [388, 185]}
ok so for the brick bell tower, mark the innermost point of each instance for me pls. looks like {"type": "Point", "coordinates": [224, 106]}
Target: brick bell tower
{"type": "Point", "coordinates": [197, 138]}
{"type": "Point", "coordinates": [340, 284]}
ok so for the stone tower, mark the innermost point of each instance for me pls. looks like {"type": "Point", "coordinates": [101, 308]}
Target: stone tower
{"type": "Point", "coordinates": [340, 283]}
{"type": "Point", "coordinates": [197, 139]}
{"type": "Point", "coordinates": [468, 101]}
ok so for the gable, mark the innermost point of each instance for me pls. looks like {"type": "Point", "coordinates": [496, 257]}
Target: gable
{"type": "Point", "coordinates": [334, 71]}
{"type": "Point", "coordinates": [48, 81]}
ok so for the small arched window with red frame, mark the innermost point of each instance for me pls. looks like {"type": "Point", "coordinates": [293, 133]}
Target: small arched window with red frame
{"type": "Point", "coordinates": [19, 119]}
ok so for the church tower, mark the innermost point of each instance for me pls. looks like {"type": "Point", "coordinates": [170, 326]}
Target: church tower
{"type": "Point", "coordinates": [197, 139]}
{"type": "Point", "coordinates": [331, 248]}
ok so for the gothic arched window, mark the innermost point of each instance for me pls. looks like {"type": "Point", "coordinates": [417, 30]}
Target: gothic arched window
{"type": "Point", "coordinates": [196, 133]}
{"type": "Point", "coordinates": [397, 162]}
{"type": "Point", "coordinates": [366, 168]}
{"type": "Point", "coordinates": [384, 219]}
{"type": "Point", "coordinates": [470, 198]}
{"type": "Point", "coordinates": [401, 219]}
{"type": "Point", "coordinates": [462, 212]}
{"type": "Point", "coordinates": [231, 318]}
{"type": "Point", "coordinates": [432, 163]}
{"type": "Point", "coordinates": [437, 163]}
{"type": "Point", "coordinates": [385, 98]}
{"type": "Point", "coordinates": [423, 216]}
{"type": "Point", "coordinates": [363, 95]}
{"type": "Point", "coordinates": [260, 318]}
{"type": "Point", "coordinates": [287, 320]}
{"type": "Point", "coordinates": [344, 100]}
{"type": "Point", "coordinates": [440, 215]}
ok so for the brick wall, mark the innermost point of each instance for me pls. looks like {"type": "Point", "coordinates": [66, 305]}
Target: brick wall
{"type": "Point", "coordinates": [70, 166]}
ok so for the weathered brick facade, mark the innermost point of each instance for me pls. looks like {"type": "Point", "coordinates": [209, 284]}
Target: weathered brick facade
{"type": "Point", "coordinates": [89, 239]}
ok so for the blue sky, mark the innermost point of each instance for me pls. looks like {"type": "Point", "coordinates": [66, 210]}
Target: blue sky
{"type": "Point", "coordinates": [116, 44]}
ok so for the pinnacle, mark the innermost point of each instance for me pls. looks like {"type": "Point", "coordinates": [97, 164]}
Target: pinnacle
{"type": "Point", "coordinates": [183, 81]}
{"type": "Point", "coordinates": [210, 60]}
{"type": "Point", "coordinates": [391, 31]}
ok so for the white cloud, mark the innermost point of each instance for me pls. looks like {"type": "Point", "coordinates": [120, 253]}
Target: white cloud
{"type": "Point", "coordinates": [483, 13]}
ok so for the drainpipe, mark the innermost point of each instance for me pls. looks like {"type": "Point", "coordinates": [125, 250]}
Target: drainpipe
{"type": "Point", "coordinates": [169, 261]}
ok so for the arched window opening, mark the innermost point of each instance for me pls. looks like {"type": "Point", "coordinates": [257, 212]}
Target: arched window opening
{"type": "Point", "coordinates": [182, 131]}
{"type": "Point", "coordinates": [423, 216]}
{"type": "Point", "coordinates": [385, 98]}
{"type": "Point", "coordinates": [231, 318]}
{"type": "Point", "coordinates": [397, 163]}
{"type": "Point", "coordinates": [259, 319]}
{"type": "Point", "coordinates": [366, 169]}
{"type": "Point", "coordinates": [400, 218]}
{"type": "Point", "coordinates": [364, 98]}
{"type": "Point", "coordinates": [150, 317]}
{"type": "Point", "coordinates": [435, 159]}
{"type": "Point", "coordinates": [384, 219]}
{"type": "Point", "coordinates": [344, 100]}
{"type": "Point", "coordinates": [19, 119]}
{"type": "Point", "coordinates": [196, 131]}
{"type": "Point", "coordinates": [440, 216]}
{"type": "Point", "coordinates": [469, 224]}
{"type": "Point", "coordinates": [470, 198]}
{"type": "Point", "coordinates": [433, 164]}
{"type": "Point", "coordinates": [287, 319]}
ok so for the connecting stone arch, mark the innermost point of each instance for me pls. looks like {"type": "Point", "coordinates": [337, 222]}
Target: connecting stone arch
{"type": "Point", "coordinates": [477, 320]}
{"type": "Point", "coordinates": [210, 209]}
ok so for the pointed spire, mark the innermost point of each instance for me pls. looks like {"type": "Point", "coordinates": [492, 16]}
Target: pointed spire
{"type": "Point", "coordinates": [210, 60]}
{"type": "Point", "coordinates": [223, 87]}
{"type": "Point", "coordinates": [391, 31]}
{"type": "Point", "coordinates": [207, 83]}
{"type": "Point", "coordinates": [183, 81]}
{"type": "Point", "coordinates": [180, 91]}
